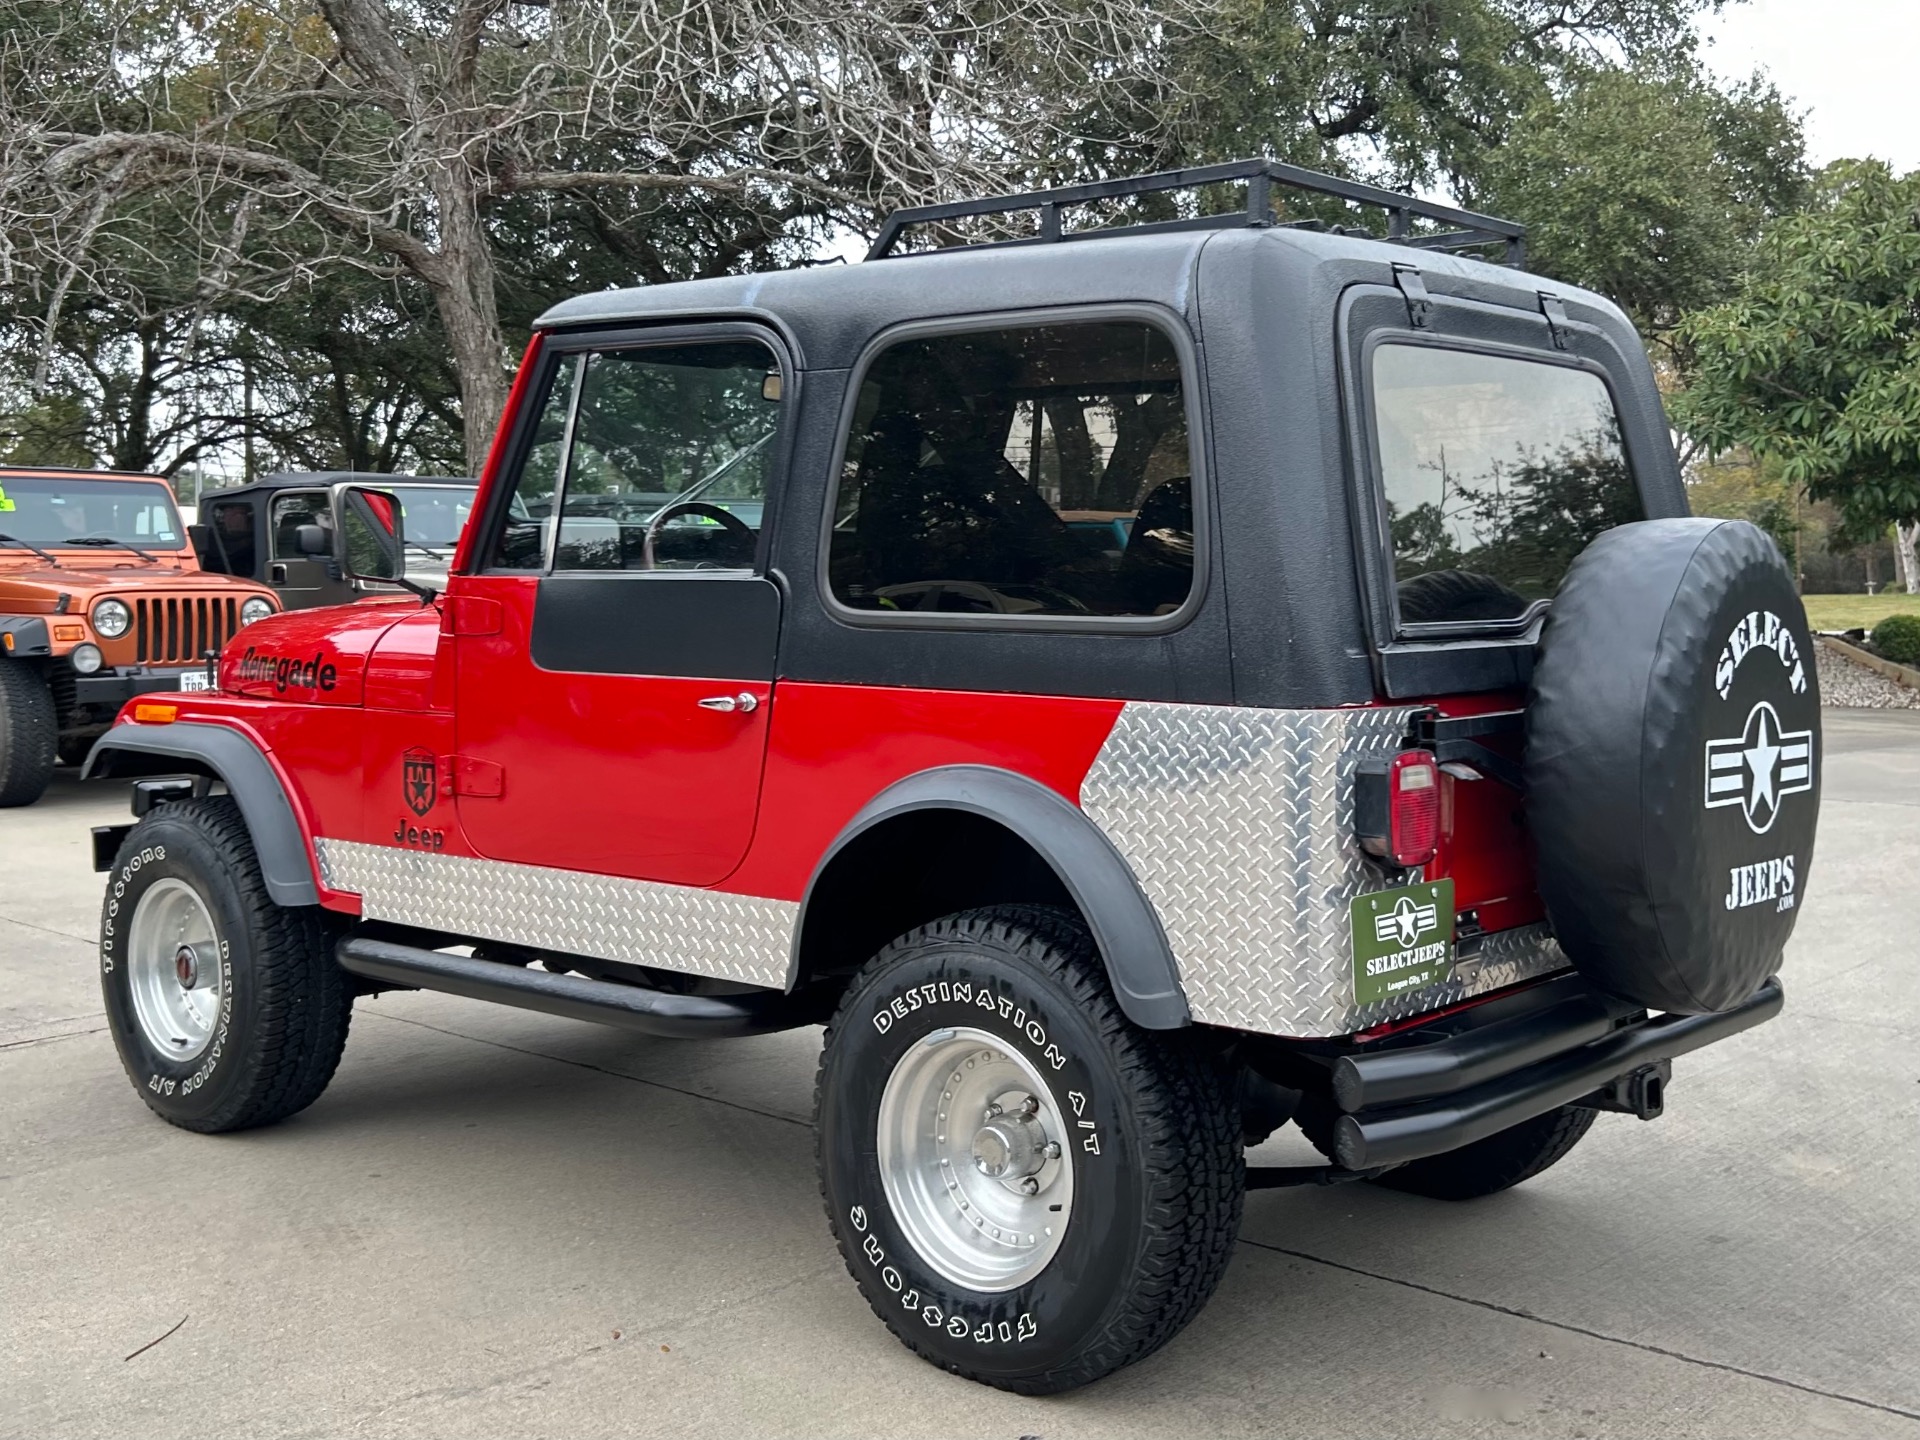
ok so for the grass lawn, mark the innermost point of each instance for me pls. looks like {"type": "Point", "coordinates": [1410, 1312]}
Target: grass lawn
{"type": "Point", "coordinates": [1857, 612]}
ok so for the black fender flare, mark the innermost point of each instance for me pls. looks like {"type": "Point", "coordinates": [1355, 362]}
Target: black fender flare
{"type": "Point", "coordinates": [1125, 926]}
{"type": "Point", "coordinates": [25, 637]}
{"type": "Point", "coordinates": [228, 755]}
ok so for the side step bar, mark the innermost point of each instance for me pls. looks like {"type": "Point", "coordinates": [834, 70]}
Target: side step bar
{"type": "Point", "coordinates": [1446, 1122]}
{"type": "Point", "coordinates": [631, 1007]}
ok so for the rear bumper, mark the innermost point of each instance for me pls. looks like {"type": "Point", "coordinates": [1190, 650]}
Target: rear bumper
{"type": "Point", "coordinates": [1407, 1101]}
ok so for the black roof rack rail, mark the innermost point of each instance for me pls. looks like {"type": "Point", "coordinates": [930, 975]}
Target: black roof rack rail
{"type": "Point", "coordinates": [1471, 229]}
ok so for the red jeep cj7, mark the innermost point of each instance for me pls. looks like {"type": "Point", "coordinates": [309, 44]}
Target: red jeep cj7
{"type": "Point", "coordinates": [1138, 688]}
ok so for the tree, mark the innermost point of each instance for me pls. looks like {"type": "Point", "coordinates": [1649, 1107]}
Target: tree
{"type": "Point", "coordinates": [1648, 185]}
{"type": "Point", "coordinates": [310, 135]}
{"type": "Point", "coordinates": [1815, 363]}
{"type": "Point", "coordinates": [1592, 123]}
{"type": "Point", "coordinates": [1738, 487]}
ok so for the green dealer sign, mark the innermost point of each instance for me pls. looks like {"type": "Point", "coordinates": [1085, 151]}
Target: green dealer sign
{"type": "Point", "coordinates": [1402, 940]}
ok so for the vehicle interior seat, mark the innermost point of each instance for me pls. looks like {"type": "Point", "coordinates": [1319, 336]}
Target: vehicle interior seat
{"type": "Point", "coordinates": [978, 519]}
{"type": "Point", "coordinates": [1156, 569]}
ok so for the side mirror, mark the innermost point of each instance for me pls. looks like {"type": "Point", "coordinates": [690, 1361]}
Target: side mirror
{"type": "Point", "coordinates": [313, 540]}
{"type": "Point", "coordinates": [200, 537]}
{"type": "Point", "coordinates": [371, 529]}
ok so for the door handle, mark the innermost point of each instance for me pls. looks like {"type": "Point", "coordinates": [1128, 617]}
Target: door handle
{"type": "Point", "coordinates": [744, 703]}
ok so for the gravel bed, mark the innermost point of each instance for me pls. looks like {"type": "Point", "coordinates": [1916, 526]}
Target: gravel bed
{"type": "Point", "coordinates": [1847, 683]}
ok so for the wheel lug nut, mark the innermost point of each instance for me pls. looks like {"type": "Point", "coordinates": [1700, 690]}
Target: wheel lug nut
{"type": "Point", "coordinates": [1029, 1186]}
{"type": "Point", "coordinates": [1052, 1152]}
{"type": "Point", "coordinates": [1031, 1107]}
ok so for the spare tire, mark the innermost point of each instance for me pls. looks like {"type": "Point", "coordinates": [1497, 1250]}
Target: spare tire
{"type": "Point", "coordinates": [1673, 762]}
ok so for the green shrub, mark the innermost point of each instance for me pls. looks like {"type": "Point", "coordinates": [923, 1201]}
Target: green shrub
{"type": "Point", "coordinates": [1897, 638]}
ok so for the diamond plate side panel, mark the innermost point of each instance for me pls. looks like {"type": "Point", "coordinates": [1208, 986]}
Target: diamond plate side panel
{"type": "Point", "coordinates": [674, 927]}
{"type": "Point", "coordinates": [1237, 823]}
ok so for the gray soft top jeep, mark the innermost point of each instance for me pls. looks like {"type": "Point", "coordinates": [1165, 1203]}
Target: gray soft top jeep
{"type": "Point", "coordinates": [1140, 688]}
{"type": "Point", "coordinates": [287, 530]}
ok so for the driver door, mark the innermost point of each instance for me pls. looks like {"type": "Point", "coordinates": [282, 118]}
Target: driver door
{"type": "Point", "coordinates": [302, 580]}
{"type": "Point", "coordinates": [616, 651]}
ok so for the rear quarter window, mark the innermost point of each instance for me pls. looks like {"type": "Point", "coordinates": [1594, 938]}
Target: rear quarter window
{"type": "Point", "coordinates": [1039, 471]}
{"type": "Point", "coordinates": [1496, 472]}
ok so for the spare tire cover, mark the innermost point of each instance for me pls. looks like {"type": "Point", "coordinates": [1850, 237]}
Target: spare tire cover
{"type": "Point", "coordinates": [1673, 761]}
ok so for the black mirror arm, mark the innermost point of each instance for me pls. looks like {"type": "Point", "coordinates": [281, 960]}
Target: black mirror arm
{"type": "Point", "coordinates": [426, 593]}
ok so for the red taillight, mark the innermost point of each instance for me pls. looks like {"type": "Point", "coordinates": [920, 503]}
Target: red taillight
{"type": "Point", "coordinates": [1396, 807]}
{"type": "Point", "coordinates": [1413, 807]}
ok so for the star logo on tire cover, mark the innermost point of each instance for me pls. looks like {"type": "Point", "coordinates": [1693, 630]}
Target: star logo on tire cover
{"type": "Point", "coordinates": [1759, 768]}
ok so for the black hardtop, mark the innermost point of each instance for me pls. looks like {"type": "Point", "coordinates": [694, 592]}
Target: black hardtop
{"type": "Point", "coordinates": [1263, 308]}
{"type": "Point", "coordinates": [829, 313]}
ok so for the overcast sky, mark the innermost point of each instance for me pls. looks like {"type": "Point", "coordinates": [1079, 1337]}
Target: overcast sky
{"type": "Point", "coordinates": [1851, 64]}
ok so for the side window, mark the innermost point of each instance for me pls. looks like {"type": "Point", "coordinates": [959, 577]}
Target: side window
{"type": "Point", "coordinates": [291, 510]}
{"type": "Point", "coordinates": [1033, 470]}
{"type": "Point", "coordinates": [650, 459]}
{"type": "Point", "coordinates": [230, 531]}
{"type": "Point", "coordinates": [1497, 472]}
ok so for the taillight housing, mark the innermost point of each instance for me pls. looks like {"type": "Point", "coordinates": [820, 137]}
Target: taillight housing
{"type": "Point", "coordinates": [1396, 807]}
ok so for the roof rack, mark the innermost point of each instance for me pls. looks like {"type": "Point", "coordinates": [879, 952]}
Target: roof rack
{"type": "Point", "coordinates": [1472, 230]}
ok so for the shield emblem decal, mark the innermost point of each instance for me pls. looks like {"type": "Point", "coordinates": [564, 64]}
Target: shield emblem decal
{"type": "Point", "coordinates": [419, 780]}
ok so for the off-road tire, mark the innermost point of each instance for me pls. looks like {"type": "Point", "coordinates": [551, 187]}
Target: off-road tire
{"type": "Point", "coordinates": [1159, 1171]}
{"type": "Point", "coordinates": [285, 1005]}
{"type": "Point", "coordinates": [1496, 1163]}
{"type": "Point", "coordinates": [28, 733]}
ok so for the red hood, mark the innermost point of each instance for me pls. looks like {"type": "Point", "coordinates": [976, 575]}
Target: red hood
{"type": "Point", "coordinates": [309, 656]}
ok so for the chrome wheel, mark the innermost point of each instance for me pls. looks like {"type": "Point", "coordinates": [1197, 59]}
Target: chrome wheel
{"type": "Point", "coordinates": [976, 1158]}
{"type": "Point", "coordinates": [173, 970]}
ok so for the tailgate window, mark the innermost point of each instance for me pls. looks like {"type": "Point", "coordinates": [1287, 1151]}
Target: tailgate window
{"type": "Point", "coordinates": [1497, 471]}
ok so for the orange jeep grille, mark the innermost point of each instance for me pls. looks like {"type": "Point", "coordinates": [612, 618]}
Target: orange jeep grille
{"type": "Point", "coordinates": [178, 630]}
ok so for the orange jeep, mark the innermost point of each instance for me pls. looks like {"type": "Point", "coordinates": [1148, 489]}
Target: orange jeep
{"type": "Point", "coordinates": [101, 599]}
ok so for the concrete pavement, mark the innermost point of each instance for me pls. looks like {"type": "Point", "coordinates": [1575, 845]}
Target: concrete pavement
{"type": "Point", "coordinates": [498, 1223]}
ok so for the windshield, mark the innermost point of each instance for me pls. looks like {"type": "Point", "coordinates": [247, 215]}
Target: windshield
{"type": "Point", "coordinates": [432, 515]}
{"type": "Point", "coordinates": [54, 511]}
{"type": "Point", "coordinates": [1497, 473]}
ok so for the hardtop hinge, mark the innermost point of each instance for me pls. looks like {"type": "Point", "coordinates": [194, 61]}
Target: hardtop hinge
{"type": "Point", "coordinates": [1556, 313]}
{"type": "Point", "coordinates": [1414, 290]}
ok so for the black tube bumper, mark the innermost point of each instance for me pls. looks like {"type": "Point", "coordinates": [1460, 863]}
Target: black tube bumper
{"type": "Point", "coordinates": [1407, 1103]}
{"type": "Point", "coordinates": [631, 1007]}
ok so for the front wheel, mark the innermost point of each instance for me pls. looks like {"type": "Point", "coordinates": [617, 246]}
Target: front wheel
{"type": "Point", "coordinates": [228, 1009]}
{"type": "Point", "coordinates": [1029, 1190]}
{"type": "Point", "coordinates": [28, 731]}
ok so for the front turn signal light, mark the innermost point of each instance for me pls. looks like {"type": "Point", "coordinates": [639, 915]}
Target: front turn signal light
{"type": "Point", "coordinates": [150, 714]}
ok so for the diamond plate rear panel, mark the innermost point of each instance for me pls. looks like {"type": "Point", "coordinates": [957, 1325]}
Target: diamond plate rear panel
{"type": "Point", "coordinates": [674, 927]}
{"type": "Point", "coordinates": [1237, 823]}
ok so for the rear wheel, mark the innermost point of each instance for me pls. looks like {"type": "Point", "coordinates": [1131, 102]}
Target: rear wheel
{"type": "Point", "coordinates": [1029, 1190]}
{"type": "Point", "coordinates": [28, 731]}
{"type": "Point", "coordinates": [228, 1009]}
{"type": "Point", "coordinates": [1496, 1163]}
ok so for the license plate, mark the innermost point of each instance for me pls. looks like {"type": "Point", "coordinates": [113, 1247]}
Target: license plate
{"type": "Point", "coordinates": [1402, 940]}
{"type": "Point", "coordinates": [195, 680]}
